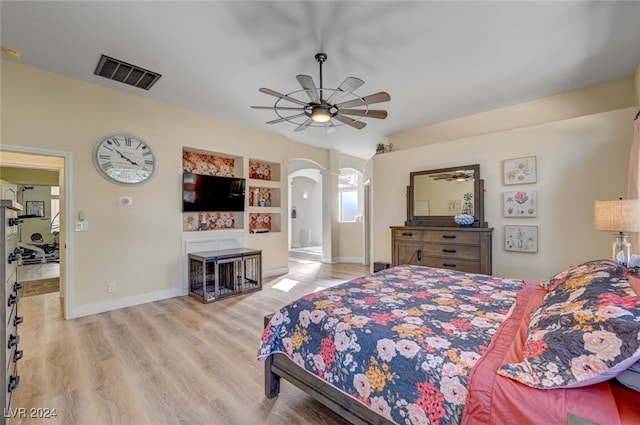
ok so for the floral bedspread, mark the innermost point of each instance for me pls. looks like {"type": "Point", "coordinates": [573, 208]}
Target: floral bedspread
{"type": "Point", "coordinates": [401, 341]}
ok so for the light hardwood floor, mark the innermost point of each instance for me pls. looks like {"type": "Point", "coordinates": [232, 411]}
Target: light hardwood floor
{"type": "Point", "coordinates": [175, 361]}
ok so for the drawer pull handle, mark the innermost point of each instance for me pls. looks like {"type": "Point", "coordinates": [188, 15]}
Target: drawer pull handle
{"type": "Point", "coordinates": [13, 299]}
{"type": "Point", "coordinates": [450, 251]}
{"type": "Point", "coordinates": [449, 236]}
{"type": "Point", "coordinates": [18, 355]}
{"type": "Point", "coordinates": [14, 382]}
{"type": "Point", "coordinates": [13, 340]}
{"type": "Point", "coordinates": [419, 255]}
{"type": "Point", "coordinates": [449, 265]}
{"type": "Point", "coordinates": [18, 320]}
{"type": "Point", "coordinates": [18, 286]}
{"type": "Point", "coordinates": [407, 234]}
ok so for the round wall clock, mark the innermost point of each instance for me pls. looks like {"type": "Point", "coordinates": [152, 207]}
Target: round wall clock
{"type": "Point", "coordinates": [125, 159]}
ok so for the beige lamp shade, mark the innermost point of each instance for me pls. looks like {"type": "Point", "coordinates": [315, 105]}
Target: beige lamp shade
{"type": "Point", "coordinates": [618, 216]}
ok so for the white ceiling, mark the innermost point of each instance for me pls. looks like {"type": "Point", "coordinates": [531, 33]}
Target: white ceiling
{"type": "Point", "coordinates": [437, 60]}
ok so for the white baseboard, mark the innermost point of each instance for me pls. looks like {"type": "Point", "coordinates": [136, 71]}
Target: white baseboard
{"type": "Point", "coordinates": [101, 307]}
{"type": "Point", "coordinates": [275, 272]}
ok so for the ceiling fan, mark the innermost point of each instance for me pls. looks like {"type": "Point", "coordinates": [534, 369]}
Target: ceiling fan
{"type": "Point", "coordinates": [325, 105]}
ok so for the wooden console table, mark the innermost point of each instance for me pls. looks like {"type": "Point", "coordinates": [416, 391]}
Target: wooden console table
{"type": "Point", "coordinates": [214, 275]}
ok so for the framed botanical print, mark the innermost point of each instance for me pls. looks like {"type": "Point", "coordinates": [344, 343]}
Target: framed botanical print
{"type": "Point", "coordinates": [521, 238]}
{"type": "Point", "coordinates": [520, 203]}
{"type": "Point", "coordinates": [519, 170]}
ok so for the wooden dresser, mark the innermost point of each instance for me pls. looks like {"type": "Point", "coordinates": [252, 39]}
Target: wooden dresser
{"type": "Point", "coordinates": [9, 275]}
{"type": "Point", "coordinates": [456, 248]}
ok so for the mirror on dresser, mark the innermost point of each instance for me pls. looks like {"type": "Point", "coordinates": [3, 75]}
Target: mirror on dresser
{"type": "Point", "coordinates": [435, 196]}
{"type": "Point", "coordinates": [430, 236]}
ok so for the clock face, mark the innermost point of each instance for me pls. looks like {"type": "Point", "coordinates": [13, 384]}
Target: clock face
{"type": "Point", "coordinates": [125, 159]}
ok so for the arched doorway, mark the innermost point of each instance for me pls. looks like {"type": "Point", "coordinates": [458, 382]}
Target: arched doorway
{"type": "Point", "coordinates": [305, 210]}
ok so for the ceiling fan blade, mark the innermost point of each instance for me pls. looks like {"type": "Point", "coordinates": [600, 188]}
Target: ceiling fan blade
{"type": "Point", "coordinates": [281, 96]}
{"type": "Point", "coordinates": [304, 125]}
{"type": "Point", "coordinates": [285, 119]}
{"type": "Point", "coordinates": [371, 113]}
{"type": "Point", "coordinates": [279, 108]}
{"type": "Point", "coordinates": [366, 100]}
{"type": "Point", "coordinates": [347, 86]}
{"type": "Point", "coordinates": [350, 121]}
{"type": "Point", "coordinates": [309, 87]}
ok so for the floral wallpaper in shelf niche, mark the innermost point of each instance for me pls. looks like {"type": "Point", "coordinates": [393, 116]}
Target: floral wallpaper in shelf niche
{"type": "Point", "coordinates": [260, 197]}
{"type": "Point", "coordinates": [208, 221]}
{"type": "Point", "coordinates": [207, 165]}
{"type": "Point", "coordinates": [259, 170]}
{"type": "Point", "coordinates": [259, 222]}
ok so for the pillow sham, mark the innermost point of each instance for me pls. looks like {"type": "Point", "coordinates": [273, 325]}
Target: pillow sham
{"type": "Point", "coordinates": [585, 270]}
{"type": "Point", "coordinates": [586, 331]}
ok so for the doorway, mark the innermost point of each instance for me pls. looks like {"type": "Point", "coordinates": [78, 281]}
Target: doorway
{"type": "Point", "coordinates": [306, 209]}
{"type": "Point", "coordinates": [39, 231]}
{"type": "Point", "coordinates": [44, 237]}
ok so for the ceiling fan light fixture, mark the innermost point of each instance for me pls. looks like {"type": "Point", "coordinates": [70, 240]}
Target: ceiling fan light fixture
{"type": "Point", "coordinates": [320, 113]}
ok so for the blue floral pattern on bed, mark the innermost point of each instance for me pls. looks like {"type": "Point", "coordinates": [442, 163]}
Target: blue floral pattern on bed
{"type": "Point", "coordinates": [402, 341]}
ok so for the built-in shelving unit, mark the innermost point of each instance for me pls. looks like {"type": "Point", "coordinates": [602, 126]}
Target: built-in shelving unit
{"type": "Point", "coordinates": [263, 193]}
{"type": "Point", "coordinates": [264, 197]}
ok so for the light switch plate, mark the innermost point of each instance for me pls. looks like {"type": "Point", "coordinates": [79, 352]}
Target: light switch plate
{"type": "Point", "coordinates": [82, 226]}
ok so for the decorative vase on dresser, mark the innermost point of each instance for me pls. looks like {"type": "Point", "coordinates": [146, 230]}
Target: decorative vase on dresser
{"type": "Point", "coordinates": [9, 214]}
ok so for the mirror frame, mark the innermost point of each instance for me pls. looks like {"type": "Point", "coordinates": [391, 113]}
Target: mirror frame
{"type": "Point", "coordinates": [446, 220]}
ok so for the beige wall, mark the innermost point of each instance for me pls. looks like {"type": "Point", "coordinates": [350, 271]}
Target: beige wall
{"type": "Point", "coordinates": [137, 247]}
{"type": "Point", "coordinates": [351, 238]}
{"type": "Point", "coordinates": [579, 160]}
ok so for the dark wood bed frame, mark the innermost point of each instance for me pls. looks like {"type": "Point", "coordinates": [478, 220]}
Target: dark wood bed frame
{"type": "Point", "coordinates": [278, 366]}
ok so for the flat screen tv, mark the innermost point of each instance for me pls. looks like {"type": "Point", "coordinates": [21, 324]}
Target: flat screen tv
{"type": "Point", "coordinates": [202, 193]}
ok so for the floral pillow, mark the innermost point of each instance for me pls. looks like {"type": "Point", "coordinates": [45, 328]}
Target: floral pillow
{"type": "Point", "coordinates": [586, 331]}
{"type": "Point", "coordinates": [587, 270]}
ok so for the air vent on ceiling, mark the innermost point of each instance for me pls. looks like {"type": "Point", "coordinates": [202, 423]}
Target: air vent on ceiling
{"type": "Point", "coordinates": [123, 72]}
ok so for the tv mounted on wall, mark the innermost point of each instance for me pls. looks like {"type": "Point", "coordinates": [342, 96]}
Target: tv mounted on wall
{"type": "Point", "coordinates": [202, 193]}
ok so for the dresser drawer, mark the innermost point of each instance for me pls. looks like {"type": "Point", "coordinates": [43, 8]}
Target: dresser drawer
{"type": "Point", "coordinates": [407, 235]}
{"type": "Point", "coordinates": [451, 236]}
{"type": "Point", "coordinates": [453, 264]}
{"type": "Point", "coordinates": [468, 252]}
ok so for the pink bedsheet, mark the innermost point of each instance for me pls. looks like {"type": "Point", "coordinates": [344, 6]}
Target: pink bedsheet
{"type": "Point", "coordinates": [497, 400]}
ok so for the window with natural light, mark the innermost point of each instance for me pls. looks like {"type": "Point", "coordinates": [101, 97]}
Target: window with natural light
{"type": "Point", "coordinates": [348, 187]}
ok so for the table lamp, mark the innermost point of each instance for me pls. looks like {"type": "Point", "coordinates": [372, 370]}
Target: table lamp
{"type": "Point", "coordinates": [618, 216]}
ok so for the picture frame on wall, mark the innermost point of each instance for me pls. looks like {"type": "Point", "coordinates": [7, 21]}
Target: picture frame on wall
{"type": "Point", "coordinates": [520, 170]}
{"type": "Point", "coordinates": [520, 203]}
{"type": "Point", "coordinates": [521, 238]}
{"type": "Point", "coordinates": [35, 208]}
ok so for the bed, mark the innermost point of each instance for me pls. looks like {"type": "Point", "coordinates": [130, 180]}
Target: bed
{"type": "Point", "coordinates": [420, 345]}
